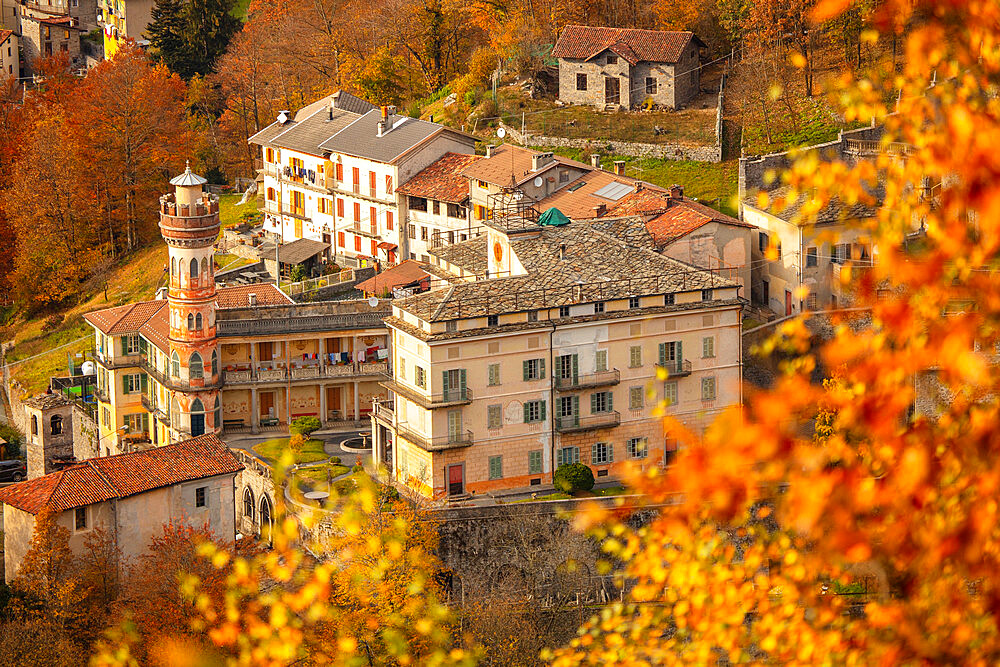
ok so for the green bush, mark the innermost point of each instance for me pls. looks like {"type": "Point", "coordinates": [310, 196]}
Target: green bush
{"type": "Point", "coordinates": [573, 477]}
{"type": "Point", "coordinates": [470, 98]}
{"type": "Point", "coordinates": [305, 425]}
{"type": "Point", "coordinates": [357, 467]}
{"type": "Point", "coordinates": [335, 460]}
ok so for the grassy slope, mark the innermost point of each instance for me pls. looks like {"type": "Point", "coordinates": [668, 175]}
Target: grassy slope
{"type": "Point", "coordinates": [230, 214]}
{"type": "Point", "coordinates": [311, 452]}
{"type": "Point", "coordinates": [134, 279]}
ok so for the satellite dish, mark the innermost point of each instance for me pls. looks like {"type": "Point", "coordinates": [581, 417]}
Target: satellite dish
{"type": "Point", "coordinates": [538, 181]}
{"type": "Point", "coordinates": [373, 301]}
{"type": "Point", "coordinates": [501, 132]}
{"type": "Point", "coordinates": [89, 368]}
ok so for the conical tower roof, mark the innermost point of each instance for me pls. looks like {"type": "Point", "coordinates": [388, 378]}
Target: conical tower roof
{"type": "Point", "coordinates": [188, 178]}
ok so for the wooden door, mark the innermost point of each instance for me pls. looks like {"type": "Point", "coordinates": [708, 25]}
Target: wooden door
{"type": "Point", "coordinates": [456, 479]}
{"type": "Point", "coordinates": [612, 90]}
{"type": "Point", "coordinates": [298, 228]}
{"type": "Point", "coordinates": [266, 403]}
{"type": "Point", "coordinates": [266, 351]}
{"type": "Point", "coordinates": [788, 303]}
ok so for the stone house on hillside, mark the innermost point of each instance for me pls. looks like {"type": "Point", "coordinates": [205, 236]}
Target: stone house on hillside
{"type": "Point", "coordinates": [623, 67]}
{"type": "Point", "coordinates": [130, 495]}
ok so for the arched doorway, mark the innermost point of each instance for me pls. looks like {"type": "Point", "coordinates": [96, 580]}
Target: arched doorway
{"type": "Point", "coordinates": [197, 418]}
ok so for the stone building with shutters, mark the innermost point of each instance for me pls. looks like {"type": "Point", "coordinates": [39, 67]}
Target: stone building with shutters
{"type": "Point", "coordinates": [621, 68]}
{"type": "Point", "coordinates": [215, 360]}
{"type": "Point", "coordinates": [553, 358]}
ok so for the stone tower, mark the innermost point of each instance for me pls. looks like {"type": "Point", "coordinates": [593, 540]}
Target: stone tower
{"type": "Point", "coordinates": [50, 432]}
{"type": "Point", "coordinates": [189, 223]}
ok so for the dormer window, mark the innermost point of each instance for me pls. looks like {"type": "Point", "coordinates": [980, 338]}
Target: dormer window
{"type": "Point", "coordinates": [612, 60]}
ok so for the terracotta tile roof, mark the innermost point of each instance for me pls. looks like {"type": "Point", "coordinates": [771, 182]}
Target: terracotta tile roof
{"type": "Point", "coordinates": [670, 217]}
{"type": "Point", "coordinates": [578, 199]}
{"type": "Point", "coordinates": [150, 317]}
{"type": "Point", "coordinates": [239, 296]}
{"type": "Point", "coordinates": [634, 45]}
{"type": "Point", "coordinates": [123, 475]}
{"type": "Point", "coordinates": [124, 319]}
{"type": "Point", "coordinates": [4, 35]}
{"type": "Point", "coordinates": [403, 274]}
{"type": "Point", "coordinates": [442, 180]}
{"type": "Point", "coordinates": [514, 163]}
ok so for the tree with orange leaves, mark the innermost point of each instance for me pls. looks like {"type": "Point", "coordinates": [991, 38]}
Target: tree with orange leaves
{"type": "Point", "coordinates": [774, 525]}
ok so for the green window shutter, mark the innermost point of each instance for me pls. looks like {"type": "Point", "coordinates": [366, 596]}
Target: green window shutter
{"type": "Point", "coordinates": [680, 353]}
{"type": "Point", "coordinates": [525, 366]}
{"type": "Point", "coordinates": [526, 412]}
{"type": "Point", "coordinates": [144, 382]}
{"type": "Point", "coordinates": [611, 401]}
{"type": "Point", "coordinates": [541, 368]}
{"type": "Point", "coordinates": [576, 370]}
{"type": "Point", "coordinates": [145, 422]}
{"type": "Point", "coordinates": [663, 354]}
{"type": "Point", "coordinates": [576, 408]}
{"type": "Point", "coordinates": [559, 458]}
{"type": "Point", "coordinates": [541, 411]}
{"type": "Point", "coordinates": [444, 385]}
{"type": "Point", "coordinates": [461, 384]}
{"type": "Point", "coordinates": [593, 403]}
{"type": "Point", "coordinates": [611, 452]}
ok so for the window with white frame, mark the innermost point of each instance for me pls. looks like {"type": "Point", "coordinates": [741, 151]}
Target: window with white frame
{"type": "Point", "coordinates": [534, 369]}
{"type": "Point", "coordinates": [637, 448]}
{"type": "Point", "coordinates": [534, 411]}
{"type": "Point", "coordinates": [130, 344]}
{"type": "Point", "coordinates": [601, 452]}
{"type": "Point", "coordinates": [601, 401]}
{"type": "Point", "coordinates": [567, 455]}
{"type": "Point", "coordinates": [132, 383]}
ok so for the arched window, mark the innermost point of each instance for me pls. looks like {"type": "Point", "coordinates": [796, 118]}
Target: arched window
{"type": "Point", "coordinates": [215, 363]}
{"type": "Point", "coordinates": [175, 365]}
{"type": "Point", "coordinates": [34, 425]}
{"type": "Point", "coordinates": [196, 367]}
{"type": "Point", "coordinates": [197, 406]}
{"type": "Point", "coordinates": [194, 268]}
{"type": "Point", "coordinates": [197, 417]}
{"type": "Point", "coordinates": [56, 424]}
{"type": "Point", "coordinates": [198, 322]}
{"type": "Point", "coordinates": [204, 267]}
{"type": "Point", "coordinates": [190, 321]}
{"type": "Point", "coordinates": [265, 518]}
{"type": "Point", "coordinates": [248, 503]}
{"type": "Point", "coordinates": [173, 270]}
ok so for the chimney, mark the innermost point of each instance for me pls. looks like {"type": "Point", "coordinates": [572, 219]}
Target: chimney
{"type": "Point", "coordinates": [595, 160]}
{"type": "Point", "coordinates": [490, 150]}
{"type": "Point", "coordinates": [600, 210]}
{"type": "Point", "coordinates": [161, 294]}
{"type": "Point", "coordinates": [333, 105]}
{"type": "Point", "coordinates": [383, 124]}
{"type": "Point", "coordinates": [562, 251]}
{"type": "Point", "coordinates": [539, 160]}
{"type": "Point", "coordinates": [253, 299]}
{"type": "Point", "coordinates": [283, 116]}
{"type": "Point", "coordinates": [620, 167]}
{"type": "Point", "coordinates": [676, 191]}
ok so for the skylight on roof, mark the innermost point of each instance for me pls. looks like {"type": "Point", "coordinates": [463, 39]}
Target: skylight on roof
{"type": "Point", "coordinates": [614, 191]}
{"type": "Point", "coordinates": [576, 186]}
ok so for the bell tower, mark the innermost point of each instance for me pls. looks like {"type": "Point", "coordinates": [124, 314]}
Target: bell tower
{"type": "Point", "coordinates": [189, 223]}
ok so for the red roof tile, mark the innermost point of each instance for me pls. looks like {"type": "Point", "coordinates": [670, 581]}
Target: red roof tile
{"type": "Point", "coordinates": [578, 200]}
{"type": "Point", "coordinates": [124, 319]}
{"type": "Point", "coordinates": [672, 217]}
{"type": "Point", "coordinates": [635, 45]}
{"type": "Point", "coordinates": [442, 180]}
{"type": "Point", "coordinates": [403, 274]}
{"type": "Point", "coordinates": [4, 35]}
{"type": "Point", "coordinates": [123, 475]}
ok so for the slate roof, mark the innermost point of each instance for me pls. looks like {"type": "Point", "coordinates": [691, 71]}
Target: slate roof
{"type": "Point", "coordinates": [312, 124]}
{"type": "Point", "coordinates": [579, 199]}
{"type": "Point", "coordinates": [513, 163]}
{"type": "Point", "coordinates": [361, 139]}
{"type": "Point", "coordinates": [469, 255]}
{"type": "Point", "coordinates": [634, 45]}
{"type": "Point", "coordinates": [442, 180]}
{"type": "Point", "coordinates": [45, 401]}
{"type": "Point", "coordinates": [834, 212]}
{"type": "Point", "coordinates": [575, 263]}
{"type": "Point", "coordinates": [297, 251]}
{"type": "Point", "coordinates": [403, 274]}
{"type": "Point", "coordinates": [112, 477]}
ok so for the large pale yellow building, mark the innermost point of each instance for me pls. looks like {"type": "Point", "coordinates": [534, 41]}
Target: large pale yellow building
{"type": "Point", "coordinates": [546, 352]}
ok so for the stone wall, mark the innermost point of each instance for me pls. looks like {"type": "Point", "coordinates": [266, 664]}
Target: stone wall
{"type": "Point", "coordinates": [256, 481]}
{"type": "Point", "coordinates": [85, 435]}
{"type": "Point", "coordinates": [660, 151]}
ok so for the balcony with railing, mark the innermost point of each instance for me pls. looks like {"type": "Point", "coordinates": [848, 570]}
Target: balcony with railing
{"type": "Point", "coordinates": [385, 411]}
{"type": "Point", "coordinates": [311, 372]}
{"type": "Point", "coordinates": [457, 396]}
{"type": "Point", "coordinates": [574, 423]}
{"type": "Point", "coordinates": [677, 367]}
{"type": "Point", "coordinates": [453, 440]}
{"type": "Point", "coordinates": [598, 379]}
